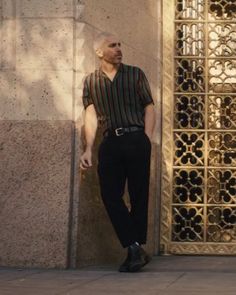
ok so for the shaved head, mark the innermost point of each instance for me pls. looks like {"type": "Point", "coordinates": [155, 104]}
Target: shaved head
{"type": "Point", "coordinates": [101, 39]}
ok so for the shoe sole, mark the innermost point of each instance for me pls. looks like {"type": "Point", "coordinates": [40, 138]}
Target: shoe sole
{"type": "Point", "coordinates": [124, 270]}
{"type": "Point", "coordinates": [138, 266]}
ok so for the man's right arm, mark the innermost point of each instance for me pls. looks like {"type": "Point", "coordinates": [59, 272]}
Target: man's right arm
{"type": "Point", "coordinates": [90, 127]}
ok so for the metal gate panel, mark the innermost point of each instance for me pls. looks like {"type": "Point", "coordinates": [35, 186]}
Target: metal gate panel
{"type": "Point", "coordinates": [198, 209]}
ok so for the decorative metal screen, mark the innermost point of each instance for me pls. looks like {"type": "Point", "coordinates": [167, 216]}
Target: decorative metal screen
{"type": "Point", "coordinates": [201, 214]}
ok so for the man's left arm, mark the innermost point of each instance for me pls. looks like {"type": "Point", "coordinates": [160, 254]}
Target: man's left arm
{"type": "Point", "coordinates": [149, 120]}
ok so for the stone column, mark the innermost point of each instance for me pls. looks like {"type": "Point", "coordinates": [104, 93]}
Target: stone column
{"type": "Point", "coordinates": [36, 81]}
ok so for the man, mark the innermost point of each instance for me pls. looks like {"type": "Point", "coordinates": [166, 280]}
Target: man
{"type": "Point", "coordinates": [118, 96]}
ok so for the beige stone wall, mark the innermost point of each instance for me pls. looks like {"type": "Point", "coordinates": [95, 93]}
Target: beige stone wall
{"type": "Point", "coordinates": [50, 212]}
{"type": "Point", "coordinates": [36, 108]}
{"type": "Point", "coordinates": [138, 23]}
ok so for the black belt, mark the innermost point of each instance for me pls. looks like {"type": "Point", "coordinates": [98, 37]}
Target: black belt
{"type": "Point", "coordinates": [121, 131]}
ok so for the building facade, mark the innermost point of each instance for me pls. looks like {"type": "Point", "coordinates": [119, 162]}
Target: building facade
{"type": "Point", "coordinates": [51, 212]}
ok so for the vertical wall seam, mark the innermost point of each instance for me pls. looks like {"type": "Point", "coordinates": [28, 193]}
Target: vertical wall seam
{"type": "Point", "coordinates": [159, 147]}
{"type": "Point", "coordinates": [70, 257]}
{"type": "Point", "coordinates": [1, 35]}
{"type": "Point", "coordinates": [14, 10]}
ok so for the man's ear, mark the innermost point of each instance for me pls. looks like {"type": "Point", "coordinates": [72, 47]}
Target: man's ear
{"type": "Point", "coordinates": [99, 53]}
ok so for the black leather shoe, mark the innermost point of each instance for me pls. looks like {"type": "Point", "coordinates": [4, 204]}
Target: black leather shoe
{"type": "Point", "coordinates": [138, 258]}
{"type": "Point", "coordinates": [135, 260]}
{"type": "Point", "coordinates": [125, 265]}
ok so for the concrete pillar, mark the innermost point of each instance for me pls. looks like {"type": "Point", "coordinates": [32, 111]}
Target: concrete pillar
{"type": "Point", "coordinates": [36, 80]}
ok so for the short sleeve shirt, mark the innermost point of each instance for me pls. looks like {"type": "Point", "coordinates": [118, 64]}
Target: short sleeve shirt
{"type": "Point", "coordinates": [121, 102]}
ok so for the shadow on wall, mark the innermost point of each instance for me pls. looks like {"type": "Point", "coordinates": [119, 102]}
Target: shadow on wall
{"type": "Point", "coordinates": [50, 213]}
{"type": "Point", "coordinates": [36, 81]}
{"type": "Point", "coordinates": [39, 101]}
{"type": "Point", "coordinates": [36, 70]}
{"type": "Point", "coordinates": [97, 243]}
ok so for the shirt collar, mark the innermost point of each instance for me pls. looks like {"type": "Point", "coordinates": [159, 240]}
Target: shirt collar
{"type": "Point", "coordinates": [122, 68]}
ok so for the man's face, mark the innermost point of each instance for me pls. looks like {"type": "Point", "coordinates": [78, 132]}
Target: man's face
{"type": "Point", "coordinates": [111, 51]}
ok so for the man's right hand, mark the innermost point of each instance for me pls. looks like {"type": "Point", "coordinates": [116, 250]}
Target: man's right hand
{"type": "Point", "coordinates": [86, 160]}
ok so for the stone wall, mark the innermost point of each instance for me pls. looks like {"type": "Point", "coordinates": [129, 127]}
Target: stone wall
{"type": "Point", "coordinates": [50, 212]}
{"type": "Point", "coordinates": [36, 81]}
{"type": "Point", "coordinates": [138, 23]}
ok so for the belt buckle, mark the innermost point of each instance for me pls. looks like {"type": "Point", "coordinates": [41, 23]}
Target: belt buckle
{"type": "Point", "coordinates": [117, 131]}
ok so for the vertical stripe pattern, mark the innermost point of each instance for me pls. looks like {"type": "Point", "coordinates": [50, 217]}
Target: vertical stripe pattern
{"type": "Point", "coordinates": [121, 102]}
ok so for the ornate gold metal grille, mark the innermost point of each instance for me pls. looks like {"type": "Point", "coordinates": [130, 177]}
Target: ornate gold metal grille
{"type": "Point", "coordinates": [199, 208]}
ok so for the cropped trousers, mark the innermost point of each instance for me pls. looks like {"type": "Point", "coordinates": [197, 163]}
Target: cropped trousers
{"type": "Point", "coordinates": [120, 159]}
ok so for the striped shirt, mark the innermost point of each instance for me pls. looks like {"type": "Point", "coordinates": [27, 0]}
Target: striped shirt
{"type": "Point", "coordinates": [121, 102]}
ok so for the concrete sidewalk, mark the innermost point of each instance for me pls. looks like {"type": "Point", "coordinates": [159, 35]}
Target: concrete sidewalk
{"type": "Point", "coordinates": [172, 275]}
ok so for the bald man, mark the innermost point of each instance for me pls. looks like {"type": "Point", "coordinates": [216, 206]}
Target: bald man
{"type": "Point", "coordinates": [117, 98]}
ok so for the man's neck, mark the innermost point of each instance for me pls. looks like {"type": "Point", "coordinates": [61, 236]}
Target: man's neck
{"type": "Point", "coordinates": [109, 68]}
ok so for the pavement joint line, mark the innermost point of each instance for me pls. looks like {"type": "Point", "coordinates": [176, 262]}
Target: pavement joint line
{"type": "Point", "coordinates": [83, 284]}
{"type": "Point", "coordinates": [174, 281]}
{"type": "Point", "coordinates": [23, 276]}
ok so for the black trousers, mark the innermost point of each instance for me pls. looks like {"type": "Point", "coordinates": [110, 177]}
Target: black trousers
{"type": "Point", "coordinates": [122, 158]}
